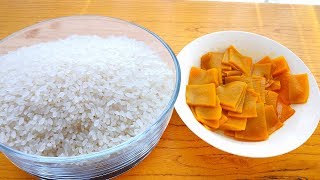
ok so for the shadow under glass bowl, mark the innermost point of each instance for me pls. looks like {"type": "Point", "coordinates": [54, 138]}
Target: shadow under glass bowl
{"type": "Point", "coordinates": [113, 161]}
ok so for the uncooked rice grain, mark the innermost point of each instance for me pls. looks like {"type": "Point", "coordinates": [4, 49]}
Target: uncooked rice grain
{"type": "Point", "coordinates": [81, 94]}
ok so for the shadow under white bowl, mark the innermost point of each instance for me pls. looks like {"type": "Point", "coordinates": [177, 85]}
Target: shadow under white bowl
{"type": "Point", "coordinates": [295, 131]}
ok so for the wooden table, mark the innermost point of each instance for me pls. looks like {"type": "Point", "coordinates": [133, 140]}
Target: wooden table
{"type": "Point", "coordinates": [180, 154]}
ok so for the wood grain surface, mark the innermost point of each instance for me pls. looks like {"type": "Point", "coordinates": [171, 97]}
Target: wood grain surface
{"type": "Point", "coordinates": [180, 154]}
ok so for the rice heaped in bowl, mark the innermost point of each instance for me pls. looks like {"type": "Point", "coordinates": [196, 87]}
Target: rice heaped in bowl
{"type": "Point", "coordinates": [80, 95]}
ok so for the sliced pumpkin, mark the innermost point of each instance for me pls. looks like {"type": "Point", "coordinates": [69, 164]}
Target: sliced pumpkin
{"type": "Point", "coordinates": [199, 76]}
{"type": "Point", "coordinates": [226, 67]}
{"type": "Point", "coordinates": [193, 111]}
{"type": "Point", "coordinates": [284, 111]}
{"type": "Point", "coordinates": [247, 61]}
{"type": "Point", "coordinates": [225, 58]}
{"type": "Point", "coordinates": [259, 87]}
{"type": "Point", "coordinates": [213, 124]}
{"type": "Point", "coordinates": [274, 86]}
{"type": "Point", "coordinates": [232, 78]}
{"type": "Point", "coordinates": [233, 73]}
{"type": "Point", "coordinates": [223, 119]}
{"type": "Point", "coordinates": [252, 103]}
{"type": "Point", "coordinates": [272, 120]}
{"type": "Point", "coordinates": [201, 95]}
{"type": "Point", "coordinates": [269, 82]}
{"type": "Point", "coordinates": [211, 60]}
{"type": "Point", "coordinates": [298, 88]}
{"type": "Point", "coordinates": [280, 66]}
{"type": "Point", "coordinates": [284, 90]}
{"type": "Point", "coordinates": [264, 60]}
{"type": "Point", "coordinates": [262, 89]}
{"type": "Point", "coordinates": [263, 70]}
{"type": "Point", "coordinates": [234, 124]}
{"type": "Point", "coordinates": [246, 79]}
{"type": "Point", "coordinates": [256, 128]}
{"type": "Point", "coordinates": [229, 133]}
{"type": "Point", "coordinates": [249, 106]}
{"type": "Point", "coordinates": [271, 98]}
{"type": "Point", "coordinates": [220, 76]}
{"type": "Point", "coordinates": [240, 62]}
{"type": "Point", "coordinates": [209, 113]}
{"type": "Point", "coordinates": [230, 94]}
{"type": "Point", "coordinates": [239, 105]}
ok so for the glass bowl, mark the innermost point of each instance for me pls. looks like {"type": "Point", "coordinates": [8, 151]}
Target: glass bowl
{"type": "Point", "coordinates": [109, 162]}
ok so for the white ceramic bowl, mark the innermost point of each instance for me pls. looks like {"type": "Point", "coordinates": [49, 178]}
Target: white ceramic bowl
{"type": "Point", "coordinates": [295, 131]}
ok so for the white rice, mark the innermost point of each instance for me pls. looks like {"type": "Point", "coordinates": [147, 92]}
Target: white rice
{"type": "Point", "coordinates": [80, 95]}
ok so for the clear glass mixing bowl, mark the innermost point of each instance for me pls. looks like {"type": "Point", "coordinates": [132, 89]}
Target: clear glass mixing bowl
{"type": "Point", "coordinates": [110, 162]}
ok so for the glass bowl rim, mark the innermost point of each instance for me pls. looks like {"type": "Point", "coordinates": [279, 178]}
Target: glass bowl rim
{"type": "Point", "coordinates": [47, 159]}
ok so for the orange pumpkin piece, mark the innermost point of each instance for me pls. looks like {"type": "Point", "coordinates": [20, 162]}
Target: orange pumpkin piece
{"type": "Point", "coordinates": [259, 87]}
{"type": "Point", "coordinates": [220, 76]}
{"type": "Point", "coordinates": [201, 95]}
{"type": "Point", "coordinates": [235, 58]}
{"type": "Point", "coordinates": [249, 106]}
{"type": "Point", "coordinates": [223, 119]}
{"type": "Point", "coordinates": [209, 113]}
{"type": "Point", "coordinates": [193, 111]}
{"type": "Point", "coordinates": [209, 128]}
{"type": "Point", "coordinates": [240, 62]}
{"type": "Point", "coordinates": [256, 128]}
{"type": "Point", "coordinates": [224, 75]}
{"type": "Point", "coordinates": [234, 124]}
{"type": "Point", "coordinates": [272, 120]}
{"type": "Point", "coordinates": [225, 58]}
{"type": "Point", "coordinates": [225, 112]}
{"type": "Point", "coordinates": [263, 70]}
{"type": "Point", "coordinates": [199, 76]}
{"type": "Point", "coordinates": [284, 111]}
{"type": "Point", "coordinates": [234, 67]}
{"type": "Point", "coordinates": [205, 61]}
{"type": "Point", "coordinates": [271, 98]}
{"type": "Point", "coordinates": [213, 76]}
{"type": "Point", "coordinates": [274, 86]}
{"type": "Point", "coordinates": [246, 79]}
{"type": "Point", "coordinates": [213, 124]}
{"type": "Point", "coordinates": [280, 66]}
{"type": "Point", "coordinates": [264, 60]}
{"type": "Point", "coordinates": [232, 78]}
{"type": "Point", "coordinates": [247, 61]}
{"type": "Point", "coordinates": [239, 105]}
{"type": "Point", "coordinates": [229, 133]}
{"type": "Point", "coordinates": [298, 88]}
{"type": "Point", "coordinates": [269, 82]}
{"type": "Point", "coordinates": [284, 90]}
{"type": "Point", "coordinates": [262, 89]}
{"type": "Point", "coordinates": [230, 94]}
{"type": "Point", "coordinates": [233, 73]}
{"type": "Point", "coordinates": [226, 67]}
{"type": "Point", "coordinates": [256, 84]}
{"type": "Point", "coordinates": [211, 60]}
